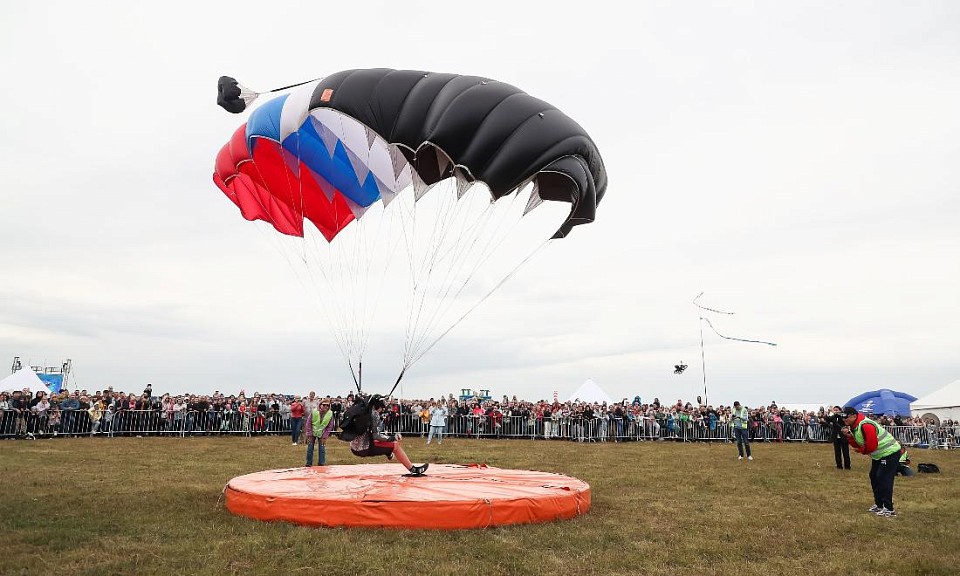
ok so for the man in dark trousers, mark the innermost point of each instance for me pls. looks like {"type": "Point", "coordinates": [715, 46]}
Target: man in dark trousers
{"type": "Point", "coordinates": [869, 438]}
{"type": "Point", "coordinates": [841, 448]}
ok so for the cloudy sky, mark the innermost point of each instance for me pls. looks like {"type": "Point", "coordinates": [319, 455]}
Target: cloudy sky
{"type": "Point", "coordinates": [796, 162]}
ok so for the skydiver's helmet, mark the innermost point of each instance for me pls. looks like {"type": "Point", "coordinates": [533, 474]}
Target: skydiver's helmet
{"type": "Point", "coordinates": [376, 401]}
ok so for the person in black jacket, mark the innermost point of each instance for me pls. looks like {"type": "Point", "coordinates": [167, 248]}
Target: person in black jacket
{"type": "Point", "coordinates": [841, 448]}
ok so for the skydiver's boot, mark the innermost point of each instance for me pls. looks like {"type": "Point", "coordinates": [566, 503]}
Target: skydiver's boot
{"type": "Point", "coordinates": [419, 470]}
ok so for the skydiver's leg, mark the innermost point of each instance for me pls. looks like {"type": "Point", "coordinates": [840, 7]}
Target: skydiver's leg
{"type": "Point", "coordinates": [401, 455]}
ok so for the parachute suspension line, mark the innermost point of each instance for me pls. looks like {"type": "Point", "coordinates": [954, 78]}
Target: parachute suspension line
{"type": "Point", "coordinates": [290, 86]}
{"type": "Point", "coordinates": [372, 300]}
{"type": "Point", "coordinates": [324, 289]}
{"type": "Point", "coordinates": [351, 274]}
{"type": "Point", "coordinates": [399, 378]}
{"type": "Point", "coordinates": [356, 380]}
{"type": "Point", "coordinates": [490, 246]}
{"type": "Point", "coordinates": [451, 213]}
{"type": "Point", "coordinates": [426, 342]}
{"type": "Point", "coordinates": [337, 321]}
{"type": "Point", "coordinates": [470, 242]}
{"type": "Point", "coordinates": [411, 245]}
{"type": "Point", "coordinates": [309, 238]}
{"type": "Point", "coordinates": [283, 247]}
{"type": "Point", "coordinates": [412, 361]}
{"type": "Point", "coordinates": [348, 275]}
{"type": "Point", "coordinates": [471, 238]}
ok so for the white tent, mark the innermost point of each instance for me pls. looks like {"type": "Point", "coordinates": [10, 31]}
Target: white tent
{"type": "Point", "coordinates": [23, 378]}
{"type": "Point", "coordinates": [589, 391]}
{"type": "Point", "coordinates": [944, 403]}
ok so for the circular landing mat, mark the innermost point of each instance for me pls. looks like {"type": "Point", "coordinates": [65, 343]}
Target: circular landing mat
{"type": "Point", "coordinates": [448, 497]}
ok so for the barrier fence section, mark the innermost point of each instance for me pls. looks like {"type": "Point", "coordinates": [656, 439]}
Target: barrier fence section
{"type": "Point", "coordinates": [26, 424]}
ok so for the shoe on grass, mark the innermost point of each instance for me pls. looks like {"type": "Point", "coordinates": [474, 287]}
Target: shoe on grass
{"type": "Point", "coordinates": [874, 509]}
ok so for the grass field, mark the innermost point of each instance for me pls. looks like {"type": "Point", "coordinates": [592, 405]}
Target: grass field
{"type": "Point", "coordinates": [151, 506]}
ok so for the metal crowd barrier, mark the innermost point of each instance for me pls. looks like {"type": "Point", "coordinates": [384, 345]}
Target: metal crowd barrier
{"type": "Point", "coordinates": [15, 424]}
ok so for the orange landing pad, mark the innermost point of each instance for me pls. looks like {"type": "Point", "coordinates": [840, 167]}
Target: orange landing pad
{"type": "Point", "coordinates": [449, 497]}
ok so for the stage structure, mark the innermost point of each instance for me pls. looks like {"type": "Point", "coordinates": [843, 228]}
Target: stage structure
{"type": "Point", "coordinates": [470, 395]}
{"type": "Point", "coordinates": [55, 377]}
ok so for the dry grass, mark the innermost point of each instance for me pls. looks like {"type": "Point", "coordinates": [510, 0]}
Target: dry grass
{"type": "Point", "coordinates": [150, 506]}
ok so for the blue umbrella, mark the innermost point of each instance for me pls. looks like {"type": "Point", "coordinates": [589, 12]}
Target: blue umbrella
{"type": "Point", "coordinates": [883, 401]}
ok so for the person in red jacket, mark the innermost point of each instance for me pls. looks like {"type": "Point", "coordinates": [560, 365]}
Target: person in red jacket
{"type": "Point", "coordinates": [871, 439]}
{"type": "Point", "coordinates": [296, 419]}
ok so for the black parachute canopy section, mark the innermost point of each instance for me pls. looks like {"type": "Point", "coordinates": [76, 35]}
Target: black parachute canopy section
{"type": "Point", "coordinates": [490, 131]}
{"type": "Point", "coordinates": [470, 127]}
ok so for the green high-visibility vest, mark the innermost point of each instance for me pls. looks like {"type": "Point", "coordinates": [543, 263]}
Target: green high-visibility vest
{"type": "Point", "coordinates": [318, 425]}
{"type": "Point", "coordinates": [886, 443]}
{"type": "Point", "coordinates": [744, 417]}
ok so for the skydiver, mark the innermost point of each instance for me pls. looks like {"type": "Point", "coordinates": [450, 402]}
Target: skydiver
{"type": "Point", "coordinates": [374, 443]}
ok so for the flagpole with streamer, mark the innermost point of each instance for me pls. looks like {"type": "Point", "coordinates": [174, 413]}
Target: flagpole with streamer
{"type": "Point", "coordinates": [703, 319]}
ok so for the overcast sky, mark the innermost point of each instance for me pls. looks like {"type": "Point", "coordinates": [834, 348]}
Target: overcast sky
{"type": "Point", "coordinates": [796, 161]}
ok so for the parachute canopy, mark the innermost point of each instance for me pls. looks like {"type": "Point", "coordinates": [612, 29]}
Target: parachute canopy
{"type": "Point", "coordinates": [348, 163]}
{"type": "Point", "coordinates": [334, 146]}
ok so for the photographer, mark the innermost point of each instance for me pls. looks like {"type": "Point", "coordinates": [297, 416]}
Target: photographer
{"type": "Point", "coordinates": [871, 439]}
{"type": "Point", "coordinates": [841, 448]}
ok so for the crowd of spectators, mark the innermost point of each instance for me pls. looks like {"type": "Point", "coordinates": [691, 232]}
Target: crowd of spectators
{"type": "Point", "coordinates": [78, 412]}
